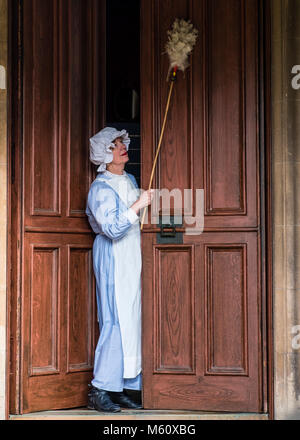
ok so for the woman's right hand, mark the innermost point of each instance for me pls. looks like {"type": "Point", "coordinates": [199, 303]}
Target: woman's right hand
{"type": "Point", "coordinates": [144, 200]}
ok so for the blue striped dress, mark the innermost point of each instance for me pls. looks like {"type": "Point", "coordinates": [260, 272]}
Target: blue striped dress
{"type": "Point", "coordinates": [117, 269]}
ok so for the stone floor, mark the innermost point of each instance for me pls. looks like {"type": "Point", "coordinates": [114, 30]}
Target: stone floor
{"type": "Point", "coordinates": [86, 414]}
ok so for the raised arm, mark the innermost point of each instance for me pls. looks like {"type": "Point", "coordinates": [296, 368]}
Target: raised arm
{"type": "Point", "coordinates": [109, 211]}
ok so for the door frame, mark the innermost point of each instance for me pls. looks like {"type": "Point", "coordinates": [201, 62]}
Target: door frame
{"type": "Point", "coordinates": [266, 207]}
{"type": "Point", "coordinates": [14, 193]}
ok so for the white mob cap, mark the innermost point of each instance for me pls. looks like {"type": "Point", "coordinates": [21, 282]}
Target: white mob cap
{"type": "Point", "coordinates": [100, 143]}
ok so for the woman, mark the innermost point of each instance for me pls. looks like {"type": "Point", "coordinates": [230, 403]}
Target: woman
{"type": "Point", "coordinates": [113, 205]}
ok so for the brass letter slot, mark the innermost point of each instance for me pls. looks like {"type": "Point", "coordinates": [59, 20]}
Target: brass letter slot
{"type": "Point", "coordinates": [168, 233]}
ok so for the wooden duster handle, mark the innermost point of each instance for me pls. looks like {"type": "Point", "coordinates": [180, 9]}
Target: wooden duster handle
{"type": "Point", "coordinates": [159, 144]}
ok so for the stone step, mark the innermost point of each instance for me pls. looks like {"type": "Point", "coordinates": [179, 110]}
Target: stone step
{"type": "Point", "coordinates": [86, 414]}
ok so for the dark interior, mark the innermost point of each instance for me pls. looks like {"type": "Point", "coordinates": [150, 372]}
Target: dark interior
{"type": "Point", "coordinates": [123, 75]}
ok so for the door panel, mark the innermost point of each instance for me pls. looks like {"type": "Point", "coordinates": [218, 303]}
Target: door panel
{"type": "Point", "coordinates": [59, 313]}
{"type": "Point", "coordinates": [201, 318]}
{"type": "Point", "coordinates": [80, 307]}
{"type": "Point", "coordinates": [174, 305]}
{"type": "Point", "coordinates": [211, 139]}
{"type": "Point", "coordinates": [63, 102]}
{"type": "Point", "coordinates": [202, 298]}
{"type": "Point", "coordinates": [62, 107]}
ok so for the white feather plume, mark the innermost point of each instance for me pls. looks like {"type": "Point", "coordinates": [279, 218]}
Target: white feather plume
{"type": "Point", "coordinates": [181, 40]}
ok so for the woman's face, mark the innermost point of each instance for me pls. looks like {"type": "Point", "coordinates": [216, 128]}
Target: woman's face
{"type": "Point", "coordinates": [120, 154]}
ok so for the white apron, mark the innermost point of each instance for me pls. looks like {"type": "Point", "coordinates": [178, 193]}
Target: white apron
{"type": "Point", "coordinates": [128, 264]}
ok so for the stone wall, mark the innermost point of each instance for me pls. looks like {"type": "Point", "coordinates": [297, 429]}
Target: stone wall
{"type": "Point", "coordinates": [286, 203]}
{"type": "Point", "coordinates": [3, 198]}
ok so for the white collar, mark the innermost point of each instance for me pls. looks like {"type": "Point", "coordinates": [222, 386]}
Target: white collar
{"type": "Point", "coordinates": [109, 174]}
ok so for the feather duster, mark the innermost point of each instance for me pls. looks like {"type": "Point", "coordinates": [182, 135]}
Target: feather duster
{"type": "Point", "coordinates": [181, 40]}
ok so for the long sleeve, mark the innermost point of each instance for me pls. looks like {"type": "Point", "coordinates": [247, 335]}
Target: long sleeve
{"type": "Point", "coordinates": [107, 212]}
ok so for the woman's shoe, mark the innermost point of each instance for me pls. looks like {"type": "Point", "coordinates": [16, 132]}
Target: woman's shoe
{"type": "Point", "coordinates": [124, 400]}
{"type": "Point", "coordinates": [135, 395]}
{"type": "Point", "coordinates": [100, 400]}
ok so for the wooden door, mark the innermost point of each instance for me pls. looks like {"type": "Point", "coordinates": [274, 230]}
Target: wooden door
{"type": "Point", "coordinates": [202, 298]}
{"type": "Point", "coordinates": [62, 108]}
